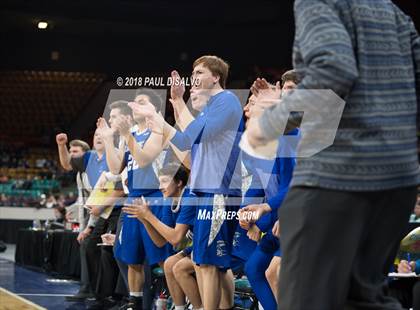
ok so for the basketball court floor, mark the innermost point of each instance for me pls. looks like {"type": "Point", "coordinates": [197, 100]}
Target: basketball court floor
{"type": "Point", "coordinates": [21, 288]}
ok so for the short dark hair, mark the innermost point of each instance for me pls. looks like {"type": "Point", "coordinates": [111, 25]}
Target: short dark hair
{"type": "Point", "coordinates": [80, 143]}
{"type": "Point", "coordinates": [291, 75]}
{"type": "Point", "coordinates": [154, 97]}
{"type": "Point", "coordinates": [179, 172]}
{"type": "Point", "coordinates": [122, 105]}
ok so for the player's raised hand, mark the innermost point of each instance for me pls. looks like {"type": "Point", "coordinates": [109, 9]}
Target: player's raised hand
{"type": "Point", "coordinates": [122, 124]}
{"type": "Point", "coordinates": [268, 97]}
{"type": "Point", "coordinates": [101, 123]}
{"type": "Point", "coordinates": [260, 85]}
{"type": "Point", "coordinates": [61, 139]}
{"type": "Point", "coordinates": [177, 87]}
{"type": "Point", "coordinates": [261, 88]}
{"type": "Point", "coordinates": [155, 123]}
{"type": "Point", "coordinates": [141, 108]}
{"type": "Point", "coordinates": [103, 129]}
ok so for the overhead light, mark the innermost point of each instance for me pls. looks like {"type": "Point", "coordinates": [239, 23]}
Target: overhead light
{"type": "Point", "coordinates": [42, 25]}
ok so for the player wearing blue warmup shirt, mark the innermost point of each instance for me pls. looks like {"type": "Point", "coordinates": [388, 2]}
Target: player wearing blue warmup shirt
{"type": "Point", "coordinates": [245, 240]}
{"type": "Point", "coordinates": [174, 227]}
{"type": "Point", "coordinates": [108, 133]}
{"type": "Point", "coordinates": [213, 138]}
{"type": "Point", "coordinates": [268, 246]}
{"type": "Point", "coordinates": [264, 264]}
{"type": "Point", "coordinates": [109, 267]}
{"type": "Point", "coordinates": [141, 160]}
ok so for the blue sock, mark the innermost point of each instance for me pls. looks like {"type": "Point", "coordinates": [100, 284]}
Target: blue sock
{"type": "Point", "coordinates": [255, 269]}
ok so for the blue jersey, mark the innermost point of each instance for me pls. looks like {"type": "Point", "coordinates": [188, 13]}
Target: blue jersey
{"type": "Point", "coordinates": [213, 140]}
{"type": "Point", "coordinates": [140, 181]}
{"type": "Point", "coordinates": [270, 183]}
{"type": "Point", "coordinates": [282, 172]}
{"type": "Point", "coordinates": [183, 213]}
{"type": "Point", "coordinates": [188, 209]}
{"type": "Point", "coordinates": [90, 163]}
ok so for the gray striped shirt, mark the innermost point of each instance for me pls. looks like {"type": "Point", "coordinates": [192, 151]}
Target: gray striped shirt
{"type": "Point", "coordinates": [368, 53]}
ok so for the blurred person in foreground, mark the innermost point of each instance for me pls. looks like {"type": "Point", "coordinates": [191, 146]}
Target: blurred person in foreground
{"type": "Point", "coordinates": [346, 212]}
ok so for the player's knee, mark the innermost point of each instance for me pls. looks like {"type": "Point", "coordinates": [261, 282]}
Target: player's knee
{"type": "Point", "coordinates": [137, 268]}
{"type": "Point", "coordinates": [178, 270]}
{"type": "Point", "coordinates": [271, 274]}
{"type": "Point", "coordinates": [168, 265]}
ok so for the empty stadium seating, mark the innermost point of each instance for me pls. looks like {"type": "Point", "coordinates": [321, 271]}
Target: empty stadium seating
{"type": "Point", "coordinates": [34, 103]}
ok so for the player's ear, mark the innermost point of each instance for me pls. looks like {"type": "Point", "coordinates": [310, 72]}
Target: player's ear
{"type": "Point", "coordinates": [179, 184]}
{"type": "Point", "coordinates": [216, 79]}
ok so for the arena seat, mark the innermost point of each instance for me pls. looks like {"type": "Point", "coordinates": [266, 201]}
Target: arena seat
{"type": "Point", "coordinates": [41, 101]}
{"type": "Point", "coordinates": [244, 296]}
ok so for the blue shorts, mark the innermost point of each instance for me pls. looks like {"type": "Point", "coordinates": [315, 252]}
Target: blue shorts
{"type": "Point", "coordinates": [129, 247]}
{"type": "Point", "coordinates": [242, 245]}
{"type": "Point", "coordinates": [237, 265]}
{"type": "Point", "coordinates": [215, 252]}
{"type": "Point", "coordinates": [134, 245]}
{"type": "Point", "coordinates": [270, 244]}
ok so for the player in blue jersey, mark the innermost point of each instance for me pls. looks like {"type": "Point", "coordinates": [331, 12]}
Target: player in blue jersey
{"type": "Point", "coordinates": [245, 240]}
{"type": "Point", "coordinates": [174, 227]}
{"type": "Point", "coordinates": [212, 136]}
{"type": "Point", "coordinates": [268, 246]}
{"type": "Point", "coordinates": [264, 264]}
{"type": "Point", "coordinates": [108, 268]}
{"type": "Point", "coordinates": [141, 162]}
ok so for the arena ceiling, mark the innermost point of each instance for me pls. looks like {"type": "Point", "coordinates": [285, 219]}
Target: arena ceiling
{"type": "Point", "coordinates": [131, 36]}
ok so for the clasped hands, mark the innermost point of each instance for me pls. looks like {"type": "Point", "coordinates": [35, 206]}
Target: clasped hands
{"type": "Point", "coordinates": [139, 209]}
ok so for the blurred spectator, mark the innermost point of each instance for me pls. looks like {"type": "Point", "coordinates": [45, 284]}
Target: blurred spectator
{"type": "Point", "coordinates": [59, 213]}
{"type": "Point", "coordinates": [40, 162]}
{"type": "Point", "coordinates": [407, 290]}
{"type": "Point", "coordinates": [51, 202]}
{"type": "Point", "coordinates": [3, 200]}
{"type": "Point", "coordinates": [27, 184]}
{"type": "Point", "coordinates": [43, 200]}
{"type": "Point", "coordinates": [22, 174]}
{"type": "Point", "coordinates": [70, 199]}
{"type": "Point", "coordinates": [61, 201]}
{"type": "Point", "coordinates": [4, 179]}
